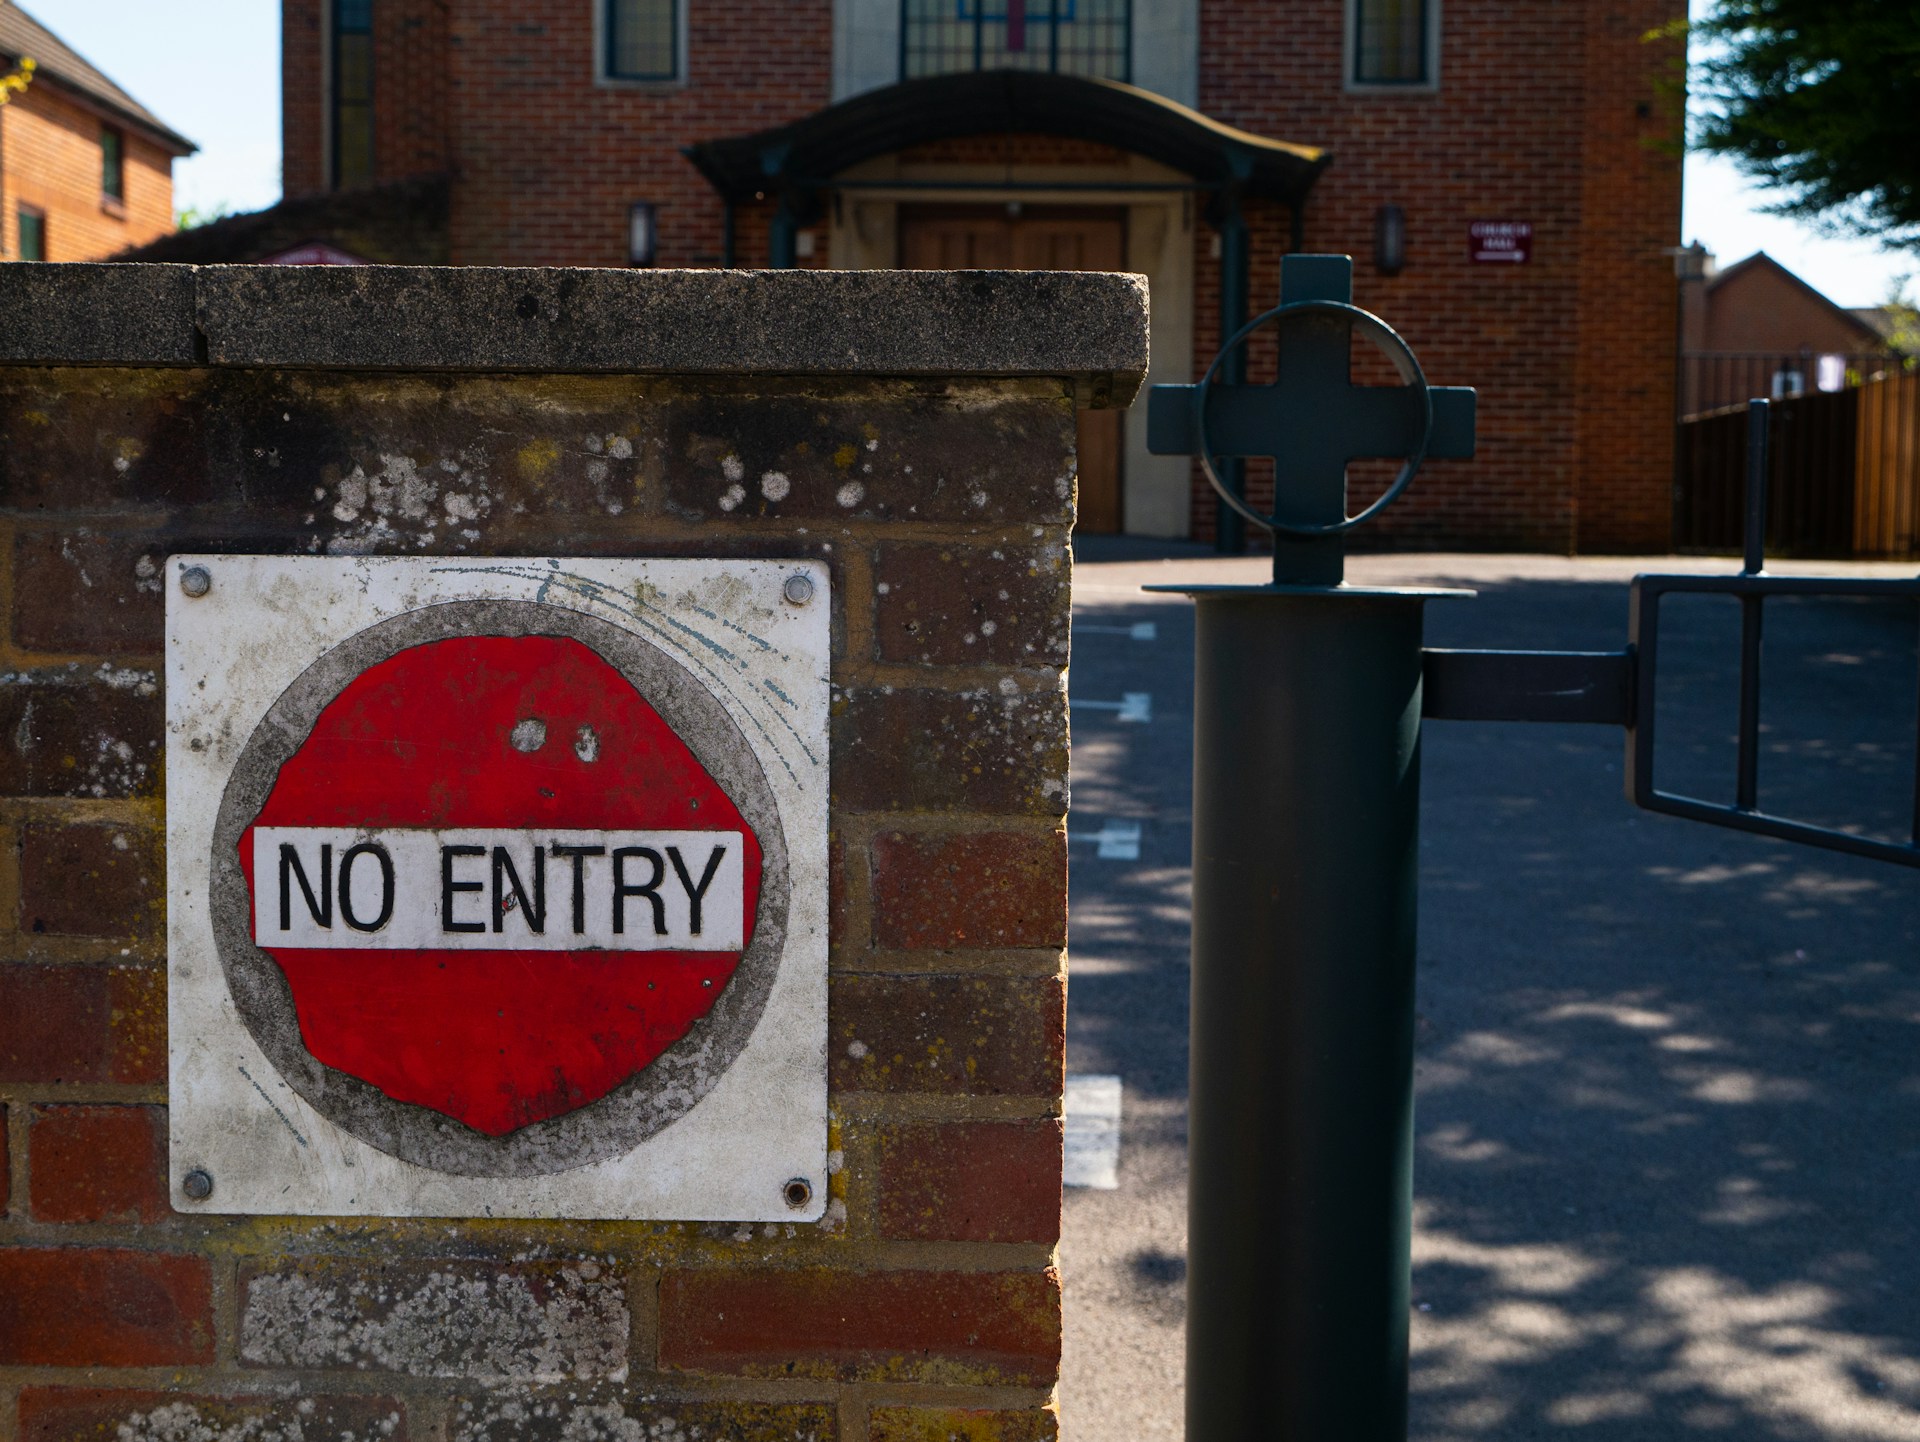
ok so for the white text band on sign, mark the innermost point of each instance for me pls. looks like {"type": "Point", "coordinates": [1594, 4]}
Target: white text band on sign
{"type": "Point", "coordinates": [492, 889]}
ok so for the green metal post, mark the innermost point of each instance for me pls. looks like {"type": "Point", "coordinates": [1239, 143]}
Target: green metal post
{"type": "Point", "coordinates": [1230, 532]}
{"type": "Point", "coordinates": [1306, 794]}
{"type": "Point", "coordinates": [783, 236]}
{"type": "Point", "coordinates": [1306, 789]}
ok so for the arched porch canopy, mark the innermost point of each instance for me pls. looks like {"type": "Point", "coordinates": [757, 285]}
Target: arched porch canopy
{"type": "Point", "coordinates": [794, 164]}
{"type": "Point", "coordinates": [790, 161]}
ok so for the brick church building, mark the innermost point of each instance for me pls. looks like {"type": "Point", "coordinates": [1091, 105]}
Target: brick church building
{"type": "Point", "coordinates": [1503, 172]}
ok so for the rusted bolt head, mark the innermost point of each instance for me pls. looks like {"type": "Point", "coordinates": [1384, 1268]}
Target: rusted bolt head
{"type": "Point", "coordinates": [798, 590]}
{"type": "Point", "coordinates": [196, 581]}
{"type": "Point", "coordinates": [197, 1184]}
{"type": "Point", "coordinates": [797, 1192]}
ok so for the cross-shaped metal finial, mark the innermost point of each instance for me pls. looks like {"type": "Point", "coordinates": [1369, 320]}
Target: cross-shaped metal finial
{"type": "Point", "coordinates": [1313, 420]}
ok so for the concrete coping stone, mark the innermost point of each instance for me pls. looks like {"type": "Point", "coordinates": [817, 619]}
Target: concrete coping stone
{"type": "Point", "coordinates": [1084, 326]}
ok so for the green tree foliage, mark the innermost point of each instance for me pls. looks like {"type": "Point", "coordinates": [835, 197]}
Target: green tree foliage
{"type": "Point", "coordinates": [1819, 100]}
{"type": "Point", "coordinates": [195, 216]}
{"type": "Point", "coordinates": [16, 81]}
{"type": "Point", "coordinates": [1903, 320]}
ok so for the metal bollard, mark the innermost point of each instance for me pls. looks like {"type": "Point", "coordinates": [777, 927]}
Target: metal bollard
{"type": "Point", "coordinates": [1301, 1140]}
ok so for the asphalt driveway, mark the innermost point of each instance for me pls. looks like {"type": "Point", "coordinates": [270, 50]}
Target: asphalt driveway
{"type": "Point", "coordinates": [1668, 1167]}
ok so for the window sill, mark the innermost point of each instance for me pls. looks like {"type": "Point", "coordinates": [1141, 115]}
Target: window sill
{"type": "Point", "coordinates": [640, 87]}
{"type": "Point", "coordinates": [1392, 87]}
{"type": "Point", "coordinates": [109, 205]}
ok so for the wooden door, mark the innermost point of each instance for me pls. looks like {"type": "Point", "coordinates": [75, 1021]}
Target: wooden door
{"type": "Point", "coordinates": [981, 237]}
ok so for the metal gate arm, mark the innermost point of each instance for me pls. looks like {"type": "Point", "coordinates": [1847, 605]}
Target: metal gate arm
{"type": "Point", "coordinates": [1594, 686]}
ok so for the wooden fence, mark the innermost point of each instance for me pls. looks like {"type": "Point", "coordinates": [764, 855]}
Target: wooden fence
{"type": "Point", "coordinates": [1844, 478]}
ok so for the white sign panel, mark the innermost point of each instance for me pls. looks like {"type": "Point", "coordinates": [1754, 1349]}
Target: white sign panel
{"type": "Point", "coordinates": [498, 888]}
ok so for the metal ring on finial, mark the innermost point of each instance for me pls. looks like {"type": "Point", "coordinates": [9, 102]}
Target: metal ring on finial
{"type": "Point", "coordinates": [1404, 363]}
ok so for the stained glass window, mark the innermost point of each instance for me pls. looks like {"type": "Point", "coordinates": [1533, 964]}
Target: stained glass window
{"type": "Point", "coordinates": [1069, 37]}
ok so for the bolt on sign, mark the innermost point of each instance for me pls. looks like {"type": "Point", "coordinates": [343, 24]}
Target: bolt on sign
{"type": "Point", "coordinates": [498, 888]}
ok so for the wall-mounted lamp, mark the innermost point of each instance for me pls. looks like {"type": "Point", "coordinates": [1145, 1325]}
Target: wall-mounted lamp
{"type": "Point", "coordinates": [642, 236]}
{"type": "Point", "coordinates": [1389, 240]}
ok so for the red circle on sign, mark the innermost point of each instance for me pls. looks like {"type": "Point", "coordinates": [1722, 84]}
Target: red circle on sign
{"type": "Point", "coordinates": [437, 736]}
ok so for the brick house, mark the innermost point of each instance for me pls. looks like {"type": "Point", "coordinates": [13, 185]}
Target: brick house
{"type": "Point", "coordinates": [1756, 328]}
{"type": "Point", "coordinates": [1192, 140]}
{"type": "Point", "coordinates": [85, 169]}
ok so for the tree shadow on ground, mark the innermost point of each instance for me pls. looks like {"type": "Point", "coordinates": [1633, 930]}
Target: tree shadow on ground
{"type": "Point", "coordinates": [1669, 1075]}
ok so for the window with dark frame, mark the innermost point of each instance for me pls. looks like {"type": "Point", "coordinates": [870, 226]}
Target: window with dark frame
{"type": "Point", "coordinates": [643, 39]}
{"type": "Point", "coordinates": [1390, 42]}
{"type": "Point", "coordinates": [1064, 37]}
{"type": "Point", "coordinates": [113, 164]}
{"type": "Point", "coordinates": [33, 233]}
{"type": "Point", "coordinates": [352, 92]}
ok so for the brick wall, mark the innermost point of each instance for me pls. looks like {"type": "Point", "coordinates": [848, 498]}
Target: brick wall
{"type": "Point", "coordinates": [50, 159]}
{"type": "Point", "coordinates": [926, 1305]}
{"type": "Point", "coordinates": [1763, 308]}
{"type": "Point", "coordinates": [1629, 299]}
{"type": "Point", "coordinates": [1547, 113]}
{"type": "Point", "coordinates": [303, 74]}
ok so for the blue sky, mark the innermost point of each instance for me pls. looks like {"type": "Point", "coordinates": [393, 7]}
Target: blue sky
{"type": "Point", "coordinates": [217, 80]}
{"type": "Point", "coordinates": [209, 68]}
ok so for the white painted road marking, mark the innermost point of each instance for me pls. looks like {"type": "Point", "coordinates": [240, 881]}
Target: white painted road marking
{"type": "Point", "coordinates": [1132, 706]}
{"type": "Point", "coordinates": [1093, 1133]}
{"type": "Point", "coordinates": [1115, 841]}
{"type": "Point", "coordinates": [1138, 631]}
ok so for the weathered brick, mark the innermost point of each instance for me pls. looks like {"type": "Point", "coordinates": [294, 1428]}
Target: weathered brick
{"type": "Point", "coordinates": [531, 1416]}
{"type": "Point", "coordinates": [136, 1024]}
{"type": "Point", "coordinates": [839, 913]}
{"type": "Point", "coordinates": [54, 1023]}
{"type": "Point", "coordinates": [927, 453]}
{"type": "Point", "coordinates": [80, 590]}
{"type": "Point", "coordinates": [82, 1023]}
{"type": "Point", "coordinates": [952, 1327]}
{"type": "Point", "coordinates": [946, 751]}
{"type": "Point", "coordinates": [983, 1036]}
{"type": "Point", "coordinates": [958, 1424]}
{"type": "Point", "coordinates": [88, 1307]}
{"type": "Point", "coordinates": [87, 440]}
{"type": "Point", "coordinates": [98, 1164]}
{"type": "Point", "coordinates": [92, 881]}
{"type": "Point", "coordinates": [74, 732]}
{"type": "Point", "coordinates": [74, 1414]}
{"type": "Point", "coordinates": [978, 889]}
{"type": "Point", "coordinates": [526, 1322]}
{"type": "Point", "coordinates": [964, 605]}
{"type": "Point", "coordinates": [971, 1181]}
{"type": "Point", "coordinates": [480, 464]}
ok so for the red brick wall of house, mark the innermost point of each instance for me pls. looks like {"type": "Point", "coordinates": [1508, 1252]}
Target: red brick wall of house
{"type": "Point", "coordinates": [1572, 352]}
{"type": "Point", "coordinates": [1764, 309]}
{"type": "Point", "coordinates": [1545, 112]}
{"type": "Point", "coordinates": [302, 98]}
{"type": "Point", "coordinates": [50, 159]}
{"type": "Point", "coordinates": [1629, 299]}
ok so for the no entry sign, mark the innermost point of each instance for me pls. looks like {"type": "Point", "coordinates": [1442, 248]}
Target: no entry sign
{"type": "Point", "coordinates": [498, 888]}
